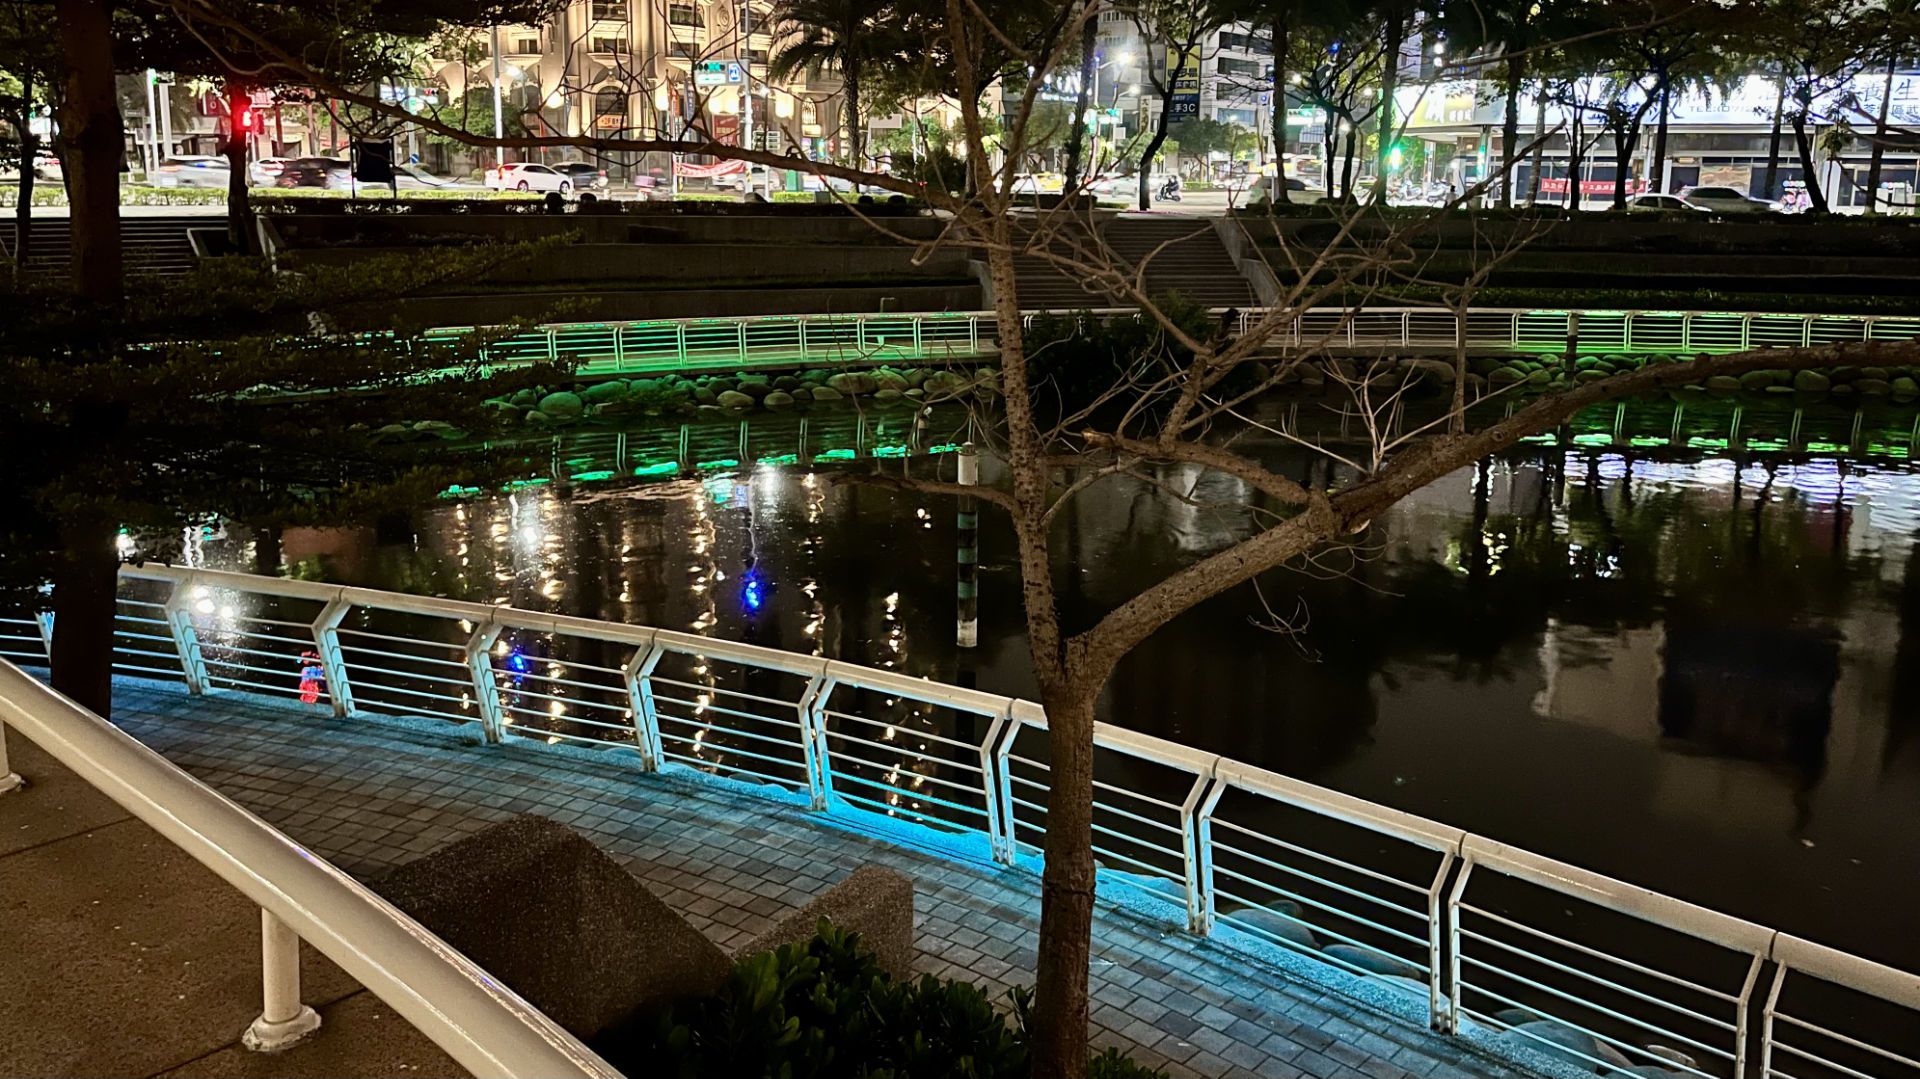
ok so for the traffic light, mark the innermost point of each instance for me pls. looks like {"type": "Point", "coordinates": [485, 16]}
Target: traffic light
{"type": "Point", "coordinates": [243, 119]}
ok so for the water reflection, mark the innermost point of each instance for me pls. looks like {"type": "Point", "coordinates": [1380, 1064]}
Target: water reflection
{"type": "Point", "coordinates": [1690, 670]}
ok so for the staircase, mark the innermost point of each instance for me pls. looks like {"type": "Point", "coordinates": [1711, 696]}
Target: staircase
{"type": "Point", "coordinates": [151, 245]}
{"type": "Point", "coordinates": [1193, 263]}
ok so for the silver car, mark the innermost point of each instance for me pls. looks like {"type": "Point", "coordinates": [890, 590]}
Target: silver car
{"type": "Point", "coordinates": [192, 170]}
{"type": "Point", "coordinates": [1726, 200]}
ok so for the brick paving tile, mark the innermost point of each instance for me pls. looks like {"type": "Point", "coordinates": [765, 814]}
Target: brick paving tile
{"type": "Point", "coordinates": [372, 794]}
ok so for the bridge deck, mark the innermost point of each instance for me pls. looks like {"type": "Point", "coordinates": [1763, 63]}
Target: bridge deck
{"type": "Point", "coordinates": [371, 794]}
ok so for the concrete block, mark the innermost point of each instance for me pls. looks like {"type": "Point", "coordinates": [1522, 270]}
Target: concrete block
{"type": "Point", "coordinates": [873, 901]}
{"type": "Point", "coordinates": [557, 920]}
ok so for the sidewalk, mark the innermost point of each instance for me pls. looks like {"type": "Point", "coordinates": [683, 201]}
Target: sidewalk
{"type": "Point", "coordinates": [369, 794]}
{"type": "Point", "coordinates": [120, 955]}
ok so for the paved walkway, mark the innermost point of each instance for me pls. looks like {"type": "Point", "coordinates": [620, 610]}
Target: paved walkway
{"type": "Point", "coordinates": [122, 956]}
{"type": "Point", "coordinates": [370, 795]}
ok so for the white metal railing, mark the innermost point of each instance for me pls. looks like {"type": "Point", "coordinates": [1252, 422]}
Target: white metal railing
{"type": "Point", "coordinates": [484, 1026]}
{"type": "Point", "coordinates": [1474, 936]}
{"type": "Point", "coordinates": [664, 345]}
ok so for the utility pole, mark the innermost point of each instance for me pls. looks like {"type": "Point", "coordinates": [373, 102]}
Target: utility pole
{"type": "Point", "coordinates": [153, 126]}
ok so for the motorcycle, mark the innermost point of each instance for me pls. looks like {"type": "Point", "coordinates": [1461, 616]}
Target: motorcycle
{"type": "Point", "coordinates": [1170, 191]}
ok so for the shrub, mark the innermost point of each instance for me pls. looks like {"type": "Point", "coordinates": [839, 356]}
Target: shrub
{"type": "Point", "coordinates": [825, 1009]}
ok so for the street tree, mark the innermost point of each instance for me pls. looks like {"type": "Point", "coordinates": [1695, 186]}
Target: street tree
{"type": "Point", "coordinates": [1173, 404]}
{"type": "Point", "coordinates": [1819, 48]}
{"type": "Point", "coordinates": [31, 76]}
{"type": "Point", "coordinates": [841, 36]}
{"type": "Point", "coordinates": [1176, 30]}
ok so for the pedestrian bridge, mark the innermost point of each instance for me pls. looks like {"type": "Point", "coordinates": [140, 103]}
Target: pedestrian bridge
{"type": "Point", "coordinates": [1251, 924]}
{"type": "Point", "coordinates": [705, 344]}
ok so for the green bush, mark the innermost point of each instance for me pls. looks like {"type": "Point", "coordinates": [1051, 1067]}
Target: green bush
{"type": "Point", "coordinates": [825, 1009]}
{"type": "Point", "coordinates": [1077, 356]}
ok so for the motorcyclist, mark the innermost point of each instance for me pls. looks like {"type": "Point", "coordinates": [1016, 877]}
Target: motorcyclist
{"type": "Point", "coordinates": [1170, 189]}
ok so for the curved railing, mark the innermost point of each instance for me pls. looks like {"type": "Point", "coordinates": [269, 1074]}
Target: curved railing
{"type": "Point", "coordinates": [484, 1026]}
{"type": "Point", "coordinates": [1466, 934]}
{"type": "Point", "coordinates": [667, 345]}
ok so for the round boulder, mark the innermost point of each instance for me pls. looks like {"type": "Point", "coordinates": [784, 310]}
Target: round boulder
{"type": "Point", "coordinates": [826, 393]}
{"type": "Point", "coordinates": [778, 401]}
{"type": "Point", "coordinates": [563, 407]}
{"type": "Point", "coordinates": [853, 383]}
{"type": "Point", "coordinates": [1811, 382]}
{"type": "Point", "coordinates": [734, 400]}
{"type": "Point", "coordinates": [601, 392]}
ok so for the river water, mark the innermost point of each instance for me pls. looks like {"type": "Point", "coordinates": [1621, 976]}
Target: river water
{"type": "Point", "coordinates": [1696, 671]}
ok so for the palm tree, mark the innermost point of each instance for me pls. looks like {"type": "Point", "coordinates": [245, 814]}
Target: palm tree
{"type": "Point", "coordinates": [821, 35]}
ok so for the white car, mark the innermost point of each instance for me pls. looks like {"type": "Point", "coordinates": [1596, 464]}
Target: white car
{"type": "Point", "coordinates": [265, 171]}
{"type": "Point", "coordinates": [1726, 200]}
{"type": "Point", "coordinates": [192, 170]}
{"type": "Point", "coordinates": [1657, 203]}
{"type": "Point", "coordinates": [526, 176]}
{"type": "Point", "coordinates": [1115, 187]}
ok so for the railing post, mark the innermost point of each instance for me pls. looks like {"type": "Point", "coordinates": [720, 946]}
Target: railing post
{"type": "Point", "coordinates": [486, 691]}
{"type": "Point", "coordinates": [326, 638]}
{"type": "Point", "coordinates": [1196, 815]}
{"type": "Point", "coordinates": [680, 343]}
{"type": "Point", "coordinates": [620, 346]}
{"type": "Point", "coordinates": [813, 739]}
{"type": "Point", "coordinates": [1000, 775]}
{"type": "Point", "coordinates": [1686, 332]}
{"type": "Point", "coordinates": [646, 718]}
{"type": "Point", "coordinates": [283, 1019]}
{"type": "Point", "coordinates": [1741, 1032]}
{"type": "Point", "coordinates": [740, 340]}
{"type": "Point", "coordinates": [43, 620]}
{"type": "Point", "coordinates": [1451, 913]}
{"type": "Point", "coordinates": [803, 336]}
{"type": "Point", "coordinates": [1439, 1017]}
{"type": "Point", "coordinates": [186, 642]}
{"type": "Point", "coordinates": [9, 779]}
{"type": "Point", "coordinates": [991, 799]}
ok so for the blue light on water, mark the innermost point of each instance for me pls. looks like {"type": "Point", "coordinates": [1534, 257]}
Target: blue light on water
{"type": "Point", "coordinates": [753, 591]}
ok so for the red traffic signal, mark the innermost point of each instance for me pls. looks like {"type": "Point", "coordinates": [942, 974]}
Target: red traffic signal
{"type": "Point", "coordinates": [243, 119]}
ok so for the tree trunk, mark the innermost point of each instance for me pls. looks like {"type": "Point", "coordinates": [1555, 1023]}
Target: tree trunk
{"type": "Point", "coordinates": [1066, 891]}
{"type": "Point", "coordinates": [1145, 194]}
{"type": "Point", "coordinates": [1576, 160]}
{"type": "Point", "coordinates": [23, 212]}
{"type": "Point", "coordinates": [85, 581]}
{"type": "Point", "coordinates": [1657, 166]}
{"type": "Point", "coordinates": [1879, 143]}
{"type": "Point", "coordinates": [851, 77]}
{"type": "Point", "coordinates": [1623, 144]}
{"type": "Point", "coordinates": [239, 210]}
{"type": "Point", "coordinates": [1803, 143]}
{"type": "Point", "coordinates": [1346, 161]}
{"type": "Point", "coordinates": [1509, 131]}
{"type": "Point", "coordinates": [1077, 132]}
{"type": "Point", "coordinates": [1771, 176]}
{"type": "Point", "coordinates": [1389, 81]}
{"type": "Point", "coordinates": [90, 123]}
{"type": "Point", "coordinates": [1539, 147]}
{"type": "Point", "coordinates": [1279, 95]}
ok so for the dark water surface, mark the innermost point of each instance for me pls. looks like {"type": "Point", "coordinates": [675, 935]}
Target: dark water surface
{"type": "Point", "coordinates": [1694, 671]}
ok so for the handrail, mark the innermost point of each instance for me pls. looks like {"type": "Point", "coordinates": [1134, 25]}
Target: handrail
{"type": "Point", "coordinates": [484, 1026]}
{"type": "Point", "coordinates": [848, 759]}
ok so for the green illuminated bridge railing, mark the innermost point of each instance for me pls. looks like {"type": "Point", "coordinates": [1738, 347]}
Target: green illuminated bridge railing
{"type": "Point", "coordinates": [667, 345]}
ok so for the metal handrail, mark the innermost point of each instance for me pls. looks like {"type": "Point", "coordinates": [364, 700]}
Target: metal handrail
{"type": "Point", "coordinates": [617, 347]}
{"type": "Point", "coordinates": [484, 1026]}
{"type": "Point", "coordinates": [811, 741]}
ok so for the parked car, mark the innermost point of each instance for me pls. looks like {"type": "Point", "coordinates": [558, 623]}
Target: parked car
{"type": "Point", "coordinates": [526, 176]}
{"type": "Point", "coordinates": [583, 175]}
{"type": "Point", "coordinates": [1656, 203]}
{"type": "Point", "coordinates": [192, 170]}
{"type": "Point", "coordinates": [334, 173]}
{"type": "Point", "coordinates": [265, 172]}
{"type": "Point", "coordinates": [1725, 200]}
